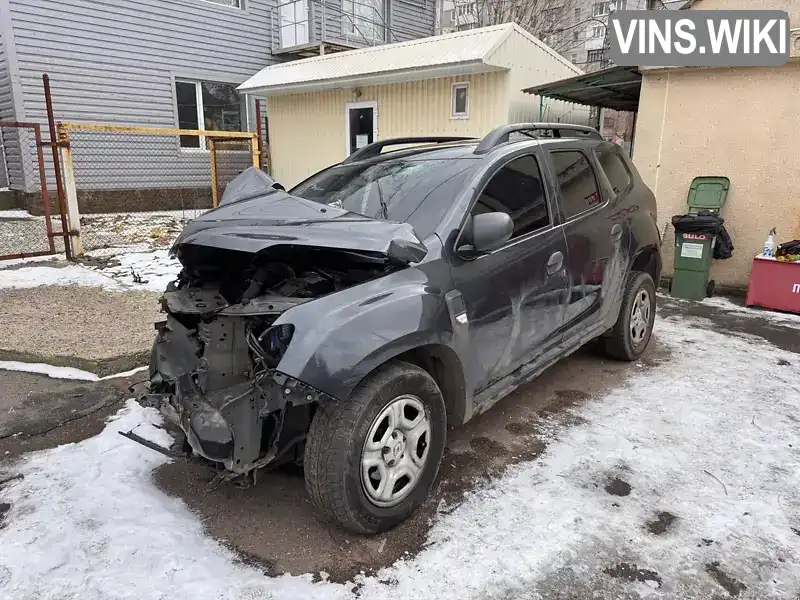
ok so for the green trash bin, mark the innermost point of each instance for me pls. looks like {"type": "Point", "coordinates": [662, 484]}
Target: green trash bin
{"type": "Point", "coordinates": [694, 251]}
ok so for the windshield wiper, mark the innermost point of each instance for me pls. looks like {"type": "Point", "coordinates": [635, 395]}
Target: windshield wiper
{"type": "Point", "coordinates": [384, 206]}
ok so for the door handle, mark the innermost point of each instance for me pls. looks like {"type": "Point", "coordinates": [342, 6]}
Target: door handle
{"type": "Point", "coordinates": [555, 262]}
{"type": "Point", "coordinates": [616, 232]}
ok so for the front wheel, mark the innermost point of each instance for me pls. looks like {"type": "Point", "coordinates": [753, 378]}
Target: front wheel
{"type": "Point", "coordinates": [370, 460]}
{"type": "Point", "coordinates": [634, 327]}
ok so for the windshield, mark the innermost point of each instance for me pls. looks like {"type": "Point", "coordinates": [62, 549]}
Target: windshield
{"type": "Point", "coordinates": [392, 190]}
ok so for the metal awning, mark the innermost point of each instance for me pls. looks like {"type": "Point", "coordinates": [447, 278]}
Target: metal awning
{"type": "Point", "coordinates": [616, 88]}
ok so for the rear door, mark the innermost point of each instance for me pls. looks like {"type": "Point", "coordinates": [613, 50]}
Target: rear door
{"type": "Point", "coordinates": [515, 296]}
{"type": "Point", "coordinates": [594, 240]}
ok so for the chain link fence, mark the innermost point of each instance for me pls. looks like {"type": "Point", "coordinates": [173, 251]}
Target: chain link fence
{"type": "Point", "coordinates": [24, 205]}
{"type": "Point", "coordinates": [136, 187]}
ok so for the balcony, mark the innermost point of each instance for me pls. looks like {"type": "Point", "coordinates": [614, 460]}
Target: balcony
{"type": "Point", "coordinates": [303, 28]}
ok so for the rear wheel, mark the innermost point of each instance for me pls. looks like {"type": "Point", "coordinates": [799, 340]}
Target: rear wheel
{"type": "Point", "coordinates": [370, 461]}
{"type": "Point", "coordinates": [634, 327]}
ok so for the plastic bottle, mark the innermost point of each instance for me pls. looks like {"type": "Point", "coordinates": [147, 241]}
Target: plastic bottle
{"type": "Point", "coordinates": [769, 245]}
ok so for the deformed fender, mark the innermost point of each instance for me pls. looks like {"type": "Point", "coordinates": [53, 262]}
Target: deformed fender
{"type": "Point", "coordinates": [338, 339]}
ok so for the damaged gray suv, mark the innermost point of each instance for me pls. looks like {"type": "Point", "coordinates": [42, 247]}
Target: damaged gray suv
{"type": "Point", "coordinates": [346, 324]}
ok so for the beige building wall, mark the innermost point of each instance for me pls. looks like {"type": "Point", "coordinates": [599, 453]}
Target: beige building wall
{"type": "Point", "coordinates": [307, 131]}
{"type": "Point", "coordinates": [516, 55]}
{"type": "Point", "coordinates": [741, 123]}
{"type": "Point", "coordinates": [792, 7]}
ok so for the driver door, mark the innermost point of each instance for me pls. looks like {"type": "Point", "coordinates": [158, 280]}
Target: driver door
{"type": "Point", "coordinates": [515, 296]}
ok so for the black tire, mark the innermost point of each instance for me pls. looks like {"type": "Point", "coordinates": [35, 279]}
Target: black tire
{"type": "Point", "coordinates": [620, 343]}
{"type": "Point", "coordinates": [337, 436]}
{"type": "Point", "coordinates": [710, 288]}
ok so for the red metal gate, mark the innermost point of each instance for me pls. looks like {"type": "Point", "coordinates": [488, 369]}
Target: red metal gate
{"type": "Point", "coordinates": [26, 220]}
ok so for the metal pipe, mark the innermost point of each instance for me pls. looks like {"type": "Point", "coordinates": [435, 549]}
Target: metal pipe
{"type": "Point", "coordinates": [62, 204]}
{"type": "Point", "coordinates": [43, 184]}
{"type": "Point", "coordinates": [241, 135]}
{"type": "Point", "coordinates": [212, 149]}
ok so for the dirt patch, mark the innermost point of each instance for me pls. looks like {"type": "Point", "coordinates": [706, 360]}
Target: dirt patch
{"type": "Point", "coordinates": [488, 447]}
{"type": "Point", "coordinates": [731, 585]}
{"type": "Point", "coordinates": [521, 428]}
{"type": "Point", "coordinates": [661, 523]}
{"type": "Point", "coordinates": [630, 572]}
{"type": "Point", "coordinates": [618, 487]}
{"type": "Point", "coordinates": [84, 327]}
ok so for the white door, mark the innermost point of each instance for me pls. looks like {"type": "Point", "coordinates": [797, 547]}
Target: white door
{"type": "Point", "coordinates": [294, 23]}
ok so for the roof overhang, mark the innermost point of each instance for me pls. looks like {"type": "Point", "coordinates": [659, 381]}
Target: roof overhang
{"type": "Point", "coordinates": [471, 67]}
{"type": "Point", "coordinates": [617, 88]}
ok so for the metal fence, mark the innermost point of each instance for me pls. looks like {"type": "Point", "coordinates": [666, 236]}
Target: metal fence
{"type": "Point", "coordinates": [26, 227]}
{"type": "Point", "coordinates": [136, 187]}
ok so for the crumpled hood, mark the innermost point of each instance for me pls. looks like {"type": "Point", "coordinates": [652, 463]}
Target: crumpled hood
{"type": "Point", "coordinates": [273, 217]}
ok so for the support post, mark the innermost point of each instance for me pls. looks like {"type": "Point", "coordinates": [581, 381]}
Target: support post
{"type": "Point", "coordinates": [212, 152]}
{"type": "Point", "coordinates": [71, 192]}
{"type": "Point", "coordinates": [62, 202]}
{"type": "Point", "coordinates": [255, 147]}
{"type": "Point", "coordinates": [43, 186]}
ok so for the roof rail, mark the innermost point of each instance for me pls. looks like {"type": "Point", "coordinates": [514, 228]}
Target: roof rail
{"type": "Point", "coordinates": [500, 135]}
{"type": "Point", "coordinates": [374, 149]}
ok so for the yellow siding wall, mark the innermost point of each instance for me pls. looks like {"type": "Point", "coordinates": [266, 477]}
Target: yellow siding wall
{"type": "Point", "coordinates": [516, 54]}
{"type": "Point", "coordinates": [740, 123]}
{"type": "Point", "coordinates": [307, 131]}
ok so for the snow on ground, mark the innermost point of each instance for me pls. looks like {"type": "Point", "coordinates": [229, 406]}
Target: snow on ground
{"type": "Point", "coordinates": [71, 274]}
{"type": "Point", "coordinates": [15, 214]}
{"type": "Point", "coordinates": [698, 437]}
{"type": "Point", "coordinates": [725, 304]}
{"type": "Point", "coordinates": [12, 262]}
{"type": "Point", "coordinates": [153, 270]}
{"type": "Point", "coordinates": [56, 372]}
{"type": "Point", "coordinates": [150, 270]}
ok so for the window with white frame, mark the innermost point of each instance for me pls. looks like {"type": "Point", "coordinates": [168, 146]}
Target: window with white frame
{"type": "Point", "coordinates": [459, 102]}
{"type": "Point", "coordinates": [601, 9]}
{"type": "Point", "coordinates": [231, 3]}
{"type": "Point", "coordinates": [208, 106]}
{"type": "Point", "coordinates": [365, 20]}
{"type": "Point", "coordinates": [598, 31]}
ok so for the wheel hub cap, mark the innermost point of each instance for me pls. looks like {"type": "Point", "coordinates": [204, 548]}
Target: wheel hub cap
{"type": "Point", "coordinates": [640, 317]}
{"type": "Point", "coordinates": [395, 451]}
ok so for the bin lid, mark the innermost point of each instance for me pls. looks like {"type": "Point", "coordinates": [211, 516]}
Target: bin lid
{"type": "Point", "coordinates": [708, 193]}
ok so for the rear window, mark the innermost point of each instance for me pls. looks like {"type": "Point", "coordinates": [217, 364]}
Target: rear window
{"type": "Point", "coordinates": [576, 179]}
{"type": "Point", "coordinates": [393, 190]}
{"type": "Point", "coordinates": [618, 175]}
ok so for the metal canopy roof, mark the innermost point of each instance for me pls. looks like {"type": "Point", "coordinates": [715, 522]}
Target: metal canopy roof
{"type": "Point", "coordinates": [617, 88]}
{"type": "Point", "coordinates": [453, 54]}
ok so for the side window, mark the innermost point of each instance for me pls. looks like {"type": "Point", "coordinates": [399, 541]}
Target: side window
{"type": "Point", "coordinates": [615, 170]}
{"type": "Point", "coordinates": [516, 189]}
{"type": "Point", "coordinates": [578, 184]}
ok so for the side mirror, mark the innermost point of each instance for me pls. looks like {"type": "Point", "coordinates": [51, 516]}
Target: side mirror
{"type": "Point", "coordinates": [486, 232]}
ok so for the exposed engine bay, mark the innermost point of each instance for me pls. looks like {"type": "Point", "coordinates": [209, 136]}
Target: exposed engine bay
{"type": "Point", "coordinates": [214, 365]}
